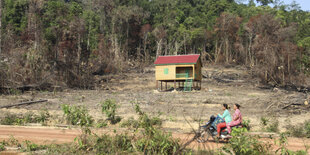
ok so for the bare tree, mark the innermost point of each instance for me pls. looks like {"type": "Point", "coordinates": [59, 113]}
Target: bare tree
{"type": "Point", "coordinates": [160, 35]}
{"type": "Point", "coordinates": [226, 30]}
{"type": "Point", "coordinates": [271, 49]}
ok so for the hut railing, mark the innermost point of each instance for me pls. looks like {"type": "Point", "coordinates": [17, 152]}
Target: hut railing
{"type": "Point", "coordinates": [182, 75]}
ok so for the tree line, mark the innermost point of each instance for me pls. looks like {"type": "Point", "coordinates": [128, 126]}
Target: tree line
{"type": "Point", "coordinates": [71, 41]}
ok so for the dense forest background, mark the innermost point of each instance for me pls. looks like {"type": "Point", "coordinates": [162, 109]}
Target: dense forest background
{"type": "Point", "coordinates": [69, 42]}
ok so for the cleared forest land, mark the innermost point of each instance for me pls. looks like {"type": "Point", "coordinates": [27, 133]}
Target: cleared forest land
{"type": "Point", "coordinates": [180, 111]}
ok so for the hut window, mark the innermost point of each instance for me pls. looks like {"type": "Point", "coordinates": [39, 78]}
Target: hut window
{"type": "Point", "coordinates": [166, 71]}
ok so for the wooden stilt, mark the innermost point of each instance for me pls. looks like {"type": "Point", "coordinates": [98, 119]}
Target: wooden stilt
{"type": "Point", "coordinates": [161, 85]}
{"type": "Point", "coordinates": [166, 86]}
{"type": "Point", "coordinates": [193, 84]}
{"type": "Point", "coordinates": [156, 85]}
{"type": "Point", "coordinates": [175, 85]}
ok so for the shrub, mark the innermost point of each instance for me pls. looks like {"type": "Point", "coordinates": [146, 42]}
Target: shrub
{"type": "Point", "coordinates": [307, 128]}
{"type": "Point", "coordinates": [264, 121]}
{"type": "Point", "coordinates": [131, 122]}
{"type": "Point", "coordinates": [11, 119]}
{"type": "Point", "coordinates": [43, 117]}
{"type": "Point", "coordinates": [282, 142]}
{"type": "Point", "coordinates": [295, 131]}
{"type": "Point", "coordinates": [110, 145]}
{"type": "Point", "coordinates": [151, 140]}
{"type": "Point", "coordinates": [2, 148]}
{"type": "Point", "coordinates": [157, 142]}
{"type": "Point", "coordinates": [77, 115]}
{"type": "Point", "coordinates": [244, 145]}
{"type": "Point", "coordinates": [300, 130]}
{"type": "Point", "coordinates": [273, 127]}
{"type": "Point", "coordinates": [269, 125]}
{"type": "Point", "coordinates": [109, 108]}
{"type": "Point", "coordinates": [29, 146]}
{"type": "Point", "coordinates": [101, 123]}
{"type": "Point", "coordinates": [246, 124]}
{"type": "Point", "coordinates": [29, 117]}
{"type": "Point", "coordinates": [154, 141]}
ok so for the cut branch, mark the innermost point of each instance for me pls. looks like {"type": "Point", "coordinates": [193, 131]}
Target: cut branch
{"type": "Point", "coordinates": [23, 103]}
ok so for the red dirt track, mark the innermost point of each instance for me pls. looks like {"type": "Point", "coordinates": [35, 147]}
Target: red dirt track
{"type": "Point", "coordinates": [40, 135]}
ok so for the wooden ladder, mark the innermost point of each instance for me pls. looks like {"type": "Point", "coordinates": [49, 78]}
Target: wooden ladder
{"type": "Point", "coordinates": [188, 84]}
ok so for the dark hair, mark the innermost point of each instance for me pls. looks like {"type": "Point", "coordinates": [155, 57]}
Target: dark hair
{"type": "Point", "coordinates": [238, 105]}
{"type": "Point", "coordinates": [226, 106]}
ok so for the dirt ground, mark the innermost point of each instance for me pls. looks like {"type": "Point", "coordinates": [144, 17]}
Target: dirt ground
{"type": "Point", "coordinates": [220, 85]}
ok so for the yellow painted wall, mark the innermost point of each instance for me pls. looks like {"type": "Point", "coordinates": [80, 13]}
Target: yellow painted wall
{"type": "Point", "coordinates": [159, 72]}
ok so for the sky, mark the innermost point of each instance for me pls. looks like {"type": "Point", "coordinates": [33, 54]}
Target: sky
{"type": "Point", "coordinates": [304, 4]}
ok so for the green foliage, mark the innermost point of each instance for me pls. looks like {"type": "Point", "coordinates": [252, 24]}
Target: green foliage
{"type": "Point", "coordinates": [273, 127]}
{"type": "Point", "coordinates": [109, 108]}
{"type": "Point", "coordinates": [270, 124]}
{"type": "Point", "coordinates": [154, 141]}
{"type": "Point", "coordinates": [145, 121]}
{"type": "Point", "coordinates": [130, 123]}
{"type": "Point", "coordinates": [44, 116]}
{"type": "Point", "coordinates": [29, 117]}
{"type": "Point", "coordinates": [13, 91]}
{"type": "Point", "coordinates": [101, 123]}
{"type": "Point", "coordinates": [299, 130]}
{"type": "Point", "coordinates": [29, 146]}
{"type": "Point", "coordinates": [282, 142]}
{"type": "Point", "coordinates": [93, 144]}
{"type": "Point", "coordinates": [151, 140]}
{"type": "Point", "coordinates": [95, 33]}
{"type": "Point", "coordinates": [307, 128]}
{"type": "Point", "coordinates": [14, 15]}
{"type": "Point", "coordinates": [158, 143]}
{"type": "Point", "coordinates": [305, 58]}
{"type": "Point", "coordinates": [11, 119]}
{"type": "Point", "coordinates": [246, 124]}
{"type": "Point", "coordinates": [296, 131]}
{"type": "Point", "coordinates": [117, 144]}
{"type": "Point", "coordinates": [242, 144]}
{"type": "Point", "coordinates": [265, 2]}
{"type": "Point", "coordinates": [2, 148]}
{"type": "Point", "coordinates": [78, 115]}
{"type": "Point", "coordinates": [264, 121]}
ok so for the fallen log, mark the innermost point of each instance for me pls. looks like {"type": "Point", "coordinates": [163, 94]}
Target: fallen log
{"type": "Point", "coordinates": [291, 105]}
{"type": "Point", "coordinates": [23, 103]}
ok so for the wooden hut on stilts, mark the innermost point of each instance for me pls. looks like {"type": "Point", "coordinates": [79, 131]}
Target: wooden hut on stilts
{"type": "Point", "coordinates": [182, 70]}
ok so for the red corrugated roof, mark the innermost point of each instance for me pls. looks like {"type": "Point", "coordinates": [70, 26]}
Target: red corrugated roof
{"type": "Point", "coordinates": [178, 59]}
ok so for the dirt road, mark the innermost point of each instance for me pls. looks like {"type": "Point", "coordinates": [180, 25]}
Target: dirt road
{"type": "Point", "coordinates": [48, 135]}
{"type": "Point", "coordinates": [39, 135]}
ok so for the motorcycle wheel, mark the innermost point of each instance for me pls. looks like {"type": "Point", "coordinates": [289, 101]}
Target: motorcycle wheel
{"type": "Point", "coordinates": [204, 137]}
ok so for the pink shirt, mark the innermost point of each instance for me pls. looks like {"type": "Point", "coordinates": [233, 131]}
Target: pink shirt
{"type": "Point", "coordinates": [237, 114]}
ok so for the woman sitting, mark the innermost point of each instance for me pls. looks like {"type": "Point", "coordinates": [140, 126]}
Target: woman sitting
{"type": "Point", "coordinates": [237, 118]}
{"type": "Point", "coordinates": [227, 118]}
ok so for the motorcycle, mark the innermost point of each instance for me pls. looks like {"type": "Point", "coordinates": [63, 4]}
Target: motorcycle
{"type": "Point", "coordinates": [209, 131]}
